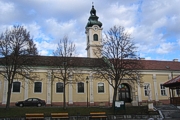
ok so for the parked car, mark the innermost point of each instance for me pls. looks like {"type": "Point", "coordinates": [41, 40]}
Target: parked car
{"type": "Point", "coordinates": [31, 102]}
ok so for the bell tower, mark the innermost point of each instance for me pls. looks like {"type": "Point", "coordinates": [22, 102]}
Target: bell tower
{"type": "Point", "coordinates": [93, 35]}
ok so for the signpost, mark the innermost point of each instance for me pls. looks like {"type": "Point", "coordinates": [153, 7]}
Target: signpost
{"type": "Point", "coordinates": [119, 105]}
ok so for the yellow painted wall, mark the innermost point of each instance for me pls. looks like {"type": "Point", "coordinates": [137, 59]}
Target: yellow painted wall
{"type": "Point", "coordinates": [162, 78]}
{"type": "Point", "coordinates": [58, 97]}
{"type": "Point", "coordinates": [16, 96]}
{"type": "Point", "coordinates": [82, 97]}
{"type": "Point", "coordinates": [147, 79]}
{"type": "Point", "coordinates": [42, 77]}
{"type": "Point", "coordinates": [79, 97]}
{"type": "Point", "coordinates": [101, 97]}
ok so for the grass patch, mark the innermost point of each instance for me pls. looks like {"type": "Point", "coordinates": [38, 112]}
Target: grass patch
{"type": "Point", "coordinates": [73, 111]}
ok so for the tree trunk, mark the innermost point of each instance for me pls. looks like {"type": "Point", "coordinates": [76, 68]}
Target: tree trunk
{"type": "Point", "coordinates": [52, 91]}
{"type": "Point", "coordinates": [8, 96]}
{"type": "Point", "coordinates": [64, 97]}
{"type": "Point", "coordinates": [114, 97]}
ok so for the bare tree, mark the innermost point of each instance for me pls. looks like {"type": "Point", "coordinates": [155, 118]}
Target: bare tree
{"type": "Point", "coordinates": [119, 59]}
{"type": "Point", "coordinates": [64, 53]}
{"type": "Point", "coordinates": [16, 47]}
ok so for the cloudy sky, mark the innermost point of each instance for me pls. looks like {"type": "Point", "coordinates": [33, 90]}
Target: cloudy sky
{"type": "Point", "coordinates": [154, 25]}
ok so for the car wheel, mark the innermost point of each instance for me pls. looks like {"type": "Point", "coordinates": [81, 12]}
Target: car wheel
{"type": "Point", "coordinates": [39, 104]}
{"type": "Point", "coordinates": [21, 105]}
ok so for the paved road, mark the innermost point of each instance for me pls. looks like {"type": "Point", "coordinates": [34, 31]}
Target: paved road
{"type": "Point", "coordinates": [169, 111]}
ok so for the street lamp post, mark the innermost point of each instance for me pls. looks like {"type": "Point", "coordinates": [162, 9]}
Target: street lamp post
{"type": "Point", "coordinates": [87, 78]}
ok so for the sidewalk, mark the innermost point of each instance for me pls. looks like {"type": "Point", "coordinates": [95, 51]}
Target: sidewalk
{"type": "Point", "coordinates": [169, 112]}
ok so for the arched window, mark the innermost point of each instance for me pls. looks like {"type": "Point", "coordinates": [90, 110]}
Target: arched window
{"type": "Point", "coordinates": [88, 38]}
{"type": "Point", "coordinates": [124, 92]}
{"type": "Point", "coordinates": [95, 36]}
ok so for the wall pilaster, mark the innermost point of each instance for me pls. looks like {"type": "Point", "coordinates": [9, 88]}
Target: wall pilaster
{"type": "Point", "coordinates": [91, 95]}
{"type": "Point", "coordinates": [170, 76]}
{"type": "Point", "coordinates": [70, 90]}
{"type": "Point", "coordinates": [139, 91]}
{"type": "Point", "coordinates": [155, 88]}
{"type": "Point", "coordinates": [5, 90]}
{"type": "Point", "coordinates": [26, 89]}
{"type": "Point", "coordinates": [49, 93]}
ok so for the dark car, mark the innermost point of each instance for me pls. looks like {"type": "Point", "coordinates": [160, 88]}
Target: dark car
{"type": "Point", "coordinates": [31, 102]}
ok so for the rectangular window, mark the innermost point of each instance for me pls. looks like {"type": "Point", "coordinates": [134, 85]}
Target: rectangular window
{"type": "Point", "coordinates": [100, 87]}
{"type": "Point", "coordinates": [59, 87]}
{"type": "Point", "coordinates": [16, 87]}
{"type": "Point", "coordinates": [146, 89]}
{"type": "Point", "coordinates": [163, 90]}
{"type": "Point", "coordinates": [37, 87]}
{"type": "Point", "coordinates": [80, 87]}
{"type": "Point", "coordinates": [178, 91]}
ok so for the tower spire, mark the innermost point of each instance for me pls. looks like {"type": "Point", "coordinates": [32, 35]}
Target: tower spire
{"type": "Point", "coordinates": [94, 35]}
{"type": "Point", "coordinates": [93, 19]}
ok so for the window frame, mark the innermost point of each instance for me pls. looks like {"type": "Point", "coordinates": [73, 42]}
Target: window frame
{"type": "Point", "coordinates": [35, 86]}
{"type": "Point", "coordinates": [16, 88]}
{"type": "Point", "coordinates": [99, 86]}
{"type": "Point", "coordinates": [79, 89]}
{"type": "Point", "coordinates": [165, 91]}
{"type": "Point", "coordinates": [88, 39]}
{"type": "Point", "coordinates": [62, 87]}
{"type": "Point", "coordinates": [95, 37]}
{"type": "Point", "coordinates": [178, 91]}
{"type": "Point", "coordinates": [145, 90]}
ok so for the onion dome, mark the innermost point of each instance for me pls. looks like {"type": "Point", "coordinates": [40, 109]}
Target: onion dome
{"type": "Point", "coordinates": [93, 19]}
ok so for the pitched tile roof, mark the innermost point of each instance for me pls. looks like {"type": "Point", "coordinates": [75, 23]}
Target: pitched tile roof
{"type": "Point", "coordinates": [75, 61]}
{"type": "Point", "coordinates": [174, 82]}
{"type": "Point", "coordinates": [160, 65]}
{"type": "Point", "coordinates": [92, 62]}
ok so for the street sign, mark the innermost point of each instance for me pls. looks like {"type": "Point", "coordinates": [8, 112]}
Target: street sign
{"type": "Point", "coordinates": [119, 105]}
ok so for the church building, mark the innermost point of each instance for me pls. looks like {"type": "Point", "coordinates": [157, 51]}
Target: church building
{"type": "Point", "coordinates": [87, 90]}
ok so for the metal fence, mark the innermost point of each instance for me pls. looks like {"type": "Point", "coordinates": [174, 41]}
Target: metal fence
{"type": "Point", "coordinates": [109, 117]}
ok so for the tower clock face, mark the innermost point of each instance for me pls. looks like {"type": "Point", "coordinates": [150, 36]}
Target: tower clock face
{"type": "Point", "coordinates": [95, 28]}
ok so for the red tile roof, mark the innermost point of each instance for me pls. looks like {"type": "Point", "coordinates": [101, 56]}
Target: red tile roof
{"type": "Point", "coordinates": [174, 80]}
{"type": "Point", "coordinates": [160, 65]}
{"type": "Point", "coordinates": [92, 62]}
